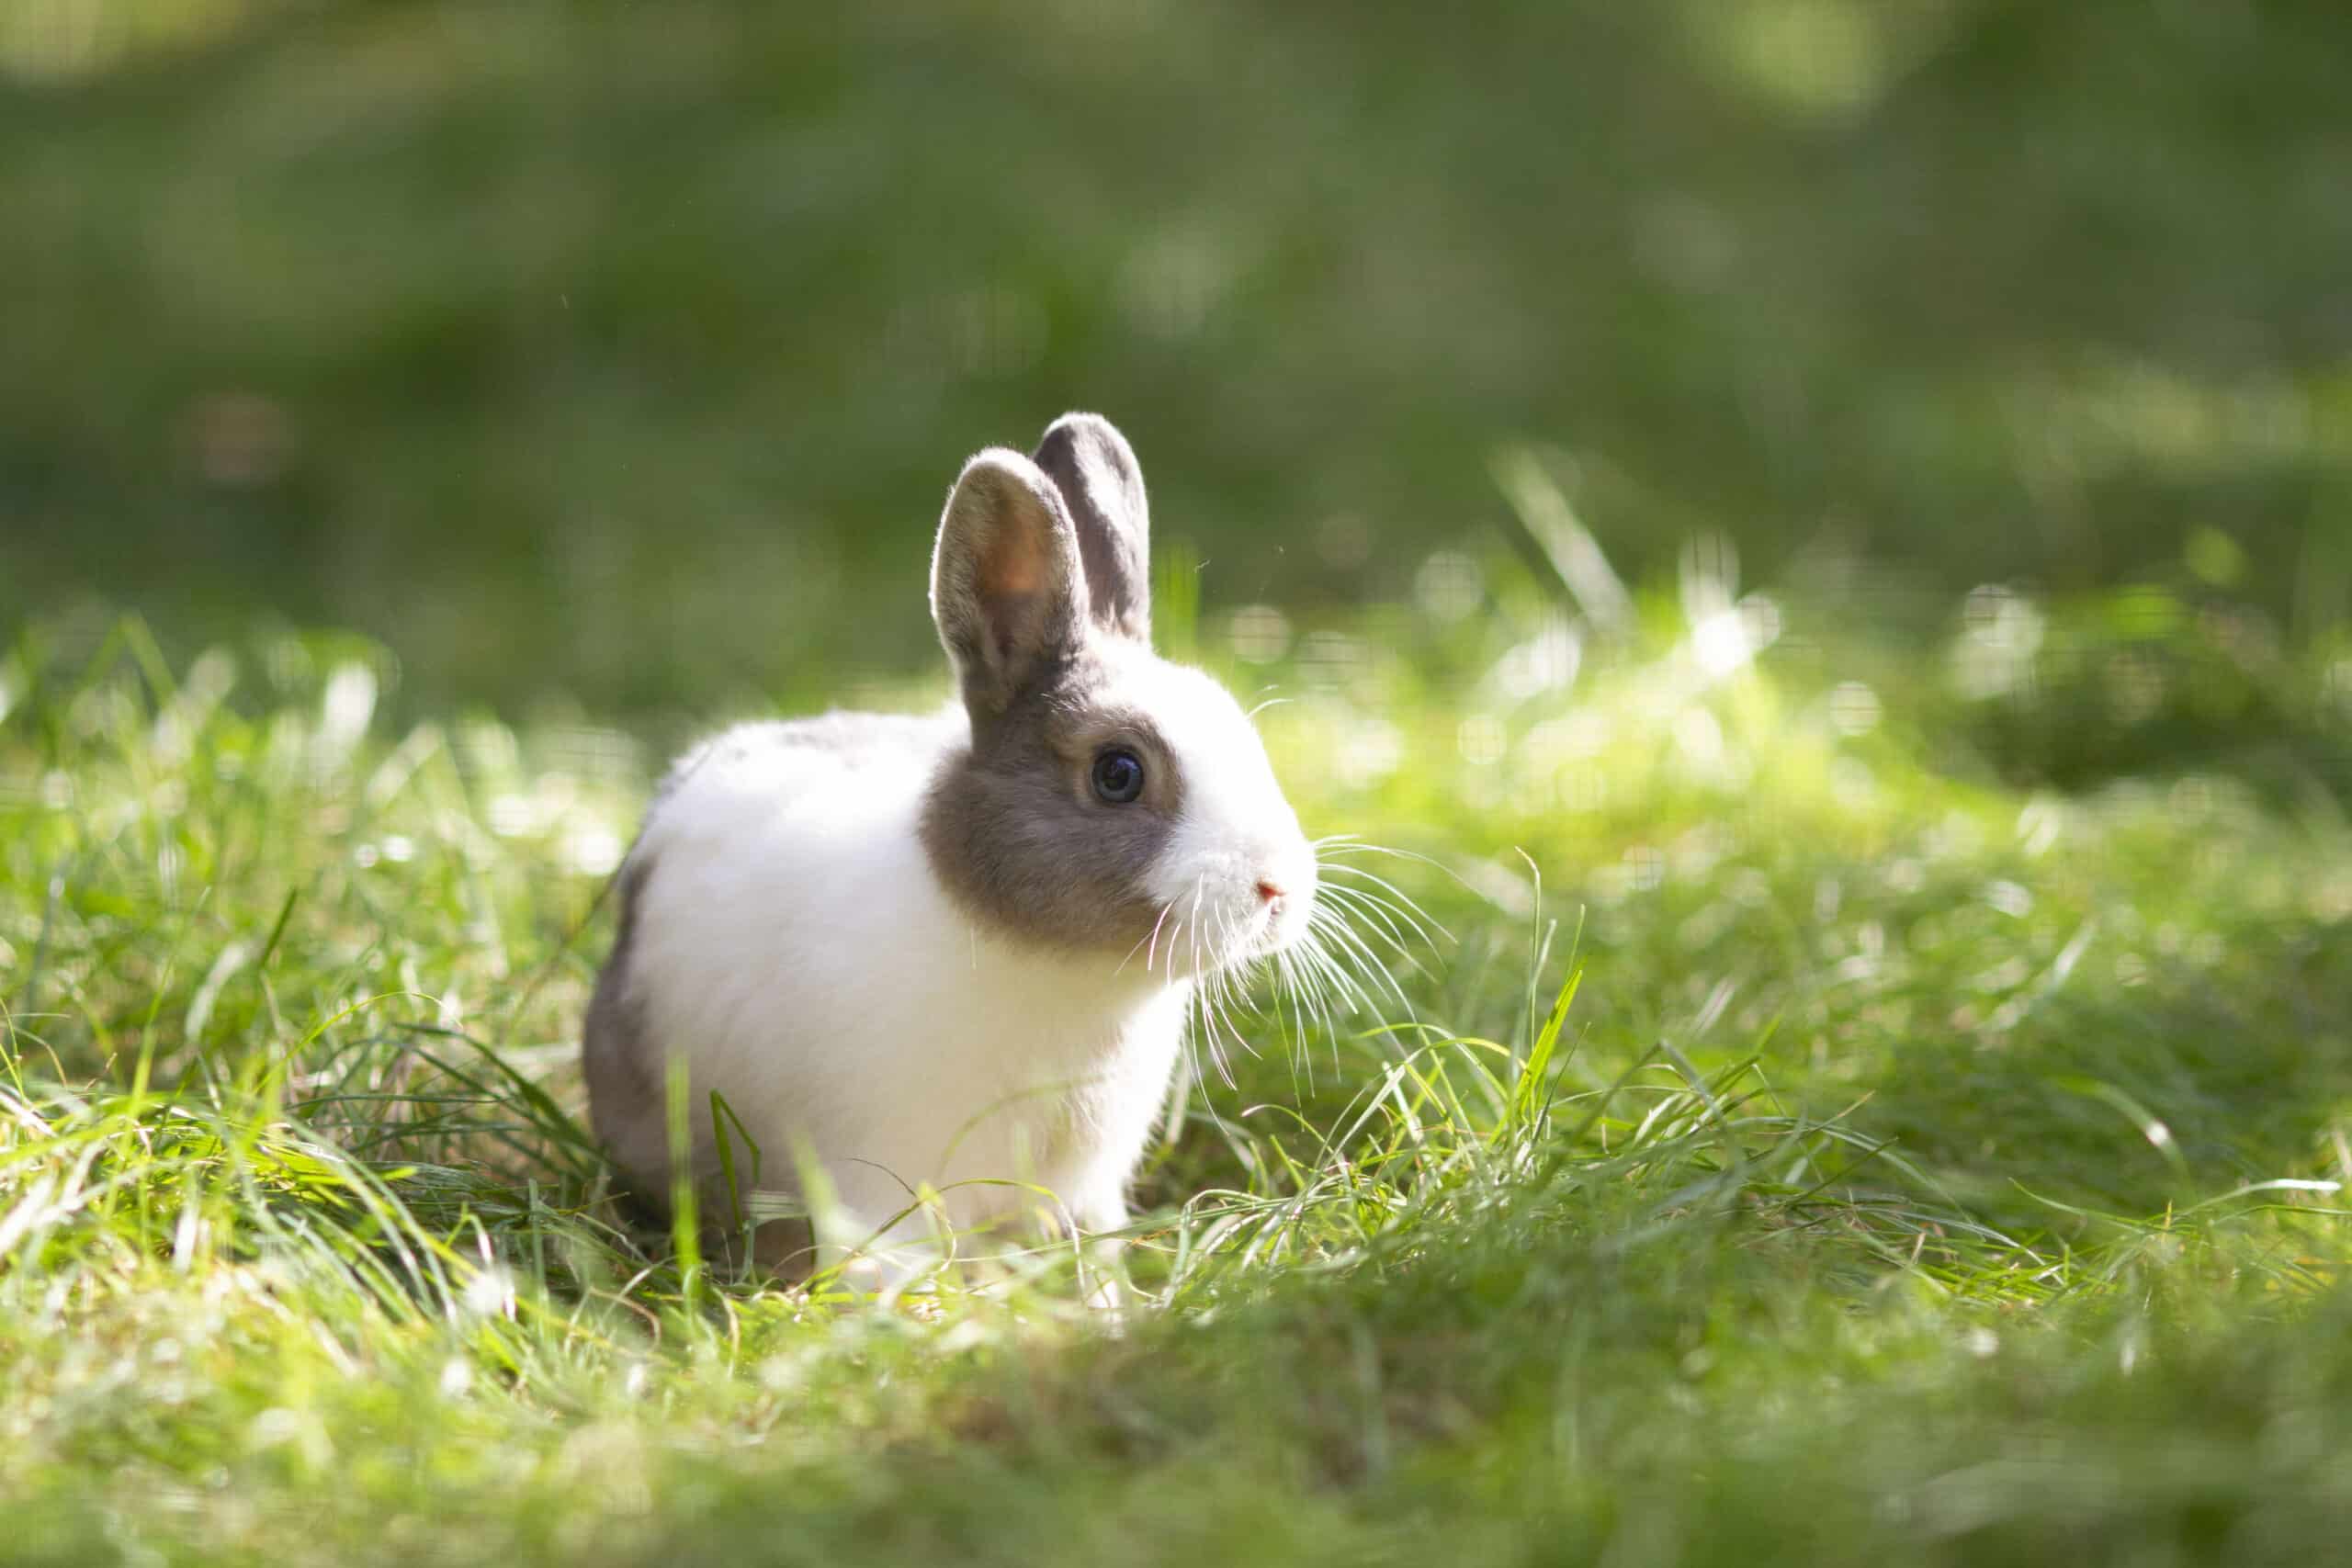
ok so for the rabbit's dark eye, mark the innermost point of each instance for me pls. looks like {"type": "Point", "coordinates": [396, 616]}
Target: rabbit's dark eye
{"type": "Point", "coordinates": [1118, 775]}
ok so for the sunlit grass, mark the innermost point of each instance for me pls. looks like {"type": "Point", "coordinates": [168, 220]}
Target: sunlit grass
{"type": "Point", "coordinates": [1795, 1134]}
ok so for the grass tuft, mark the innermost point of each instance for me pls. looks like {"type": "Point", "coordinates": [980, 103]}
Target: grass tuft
{"type": "Point", "coordinates": [1723, 1125]}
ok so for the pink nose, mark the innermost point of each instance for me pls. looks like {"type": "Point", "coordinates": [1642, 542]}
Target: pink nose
{"type": "Point", "coordinates": [1269, 891]}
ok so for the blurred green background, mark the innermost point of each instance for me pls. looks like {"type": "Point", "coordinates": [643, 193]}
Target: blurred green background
{"type": "Point", "coordinates": [626, 351]}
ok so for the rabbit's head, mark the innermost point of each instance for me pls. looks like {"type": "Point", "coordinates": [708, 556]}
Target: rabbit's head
{"type": "Point", "coordinates": [1111, 801]}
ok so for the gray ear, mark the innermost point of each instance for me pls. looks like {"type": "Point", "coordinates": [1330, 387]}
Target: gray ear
{"type": "Point", "coordinates": [1096, 471]}
{"type": "Point", "coordinates": [1007, 588]}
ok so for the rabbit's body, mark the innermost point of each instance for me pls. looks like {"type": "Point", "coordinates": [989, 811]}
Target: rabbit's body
{"type": "Point", "coordinates": [825, 1018]}
{"type": "Point", "coordinates": [946, 962]}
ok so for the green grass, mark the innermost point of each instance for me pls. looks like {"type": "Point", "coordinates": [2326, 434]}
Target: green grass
{"type": "Point", "coordinates": [1841, 1154]}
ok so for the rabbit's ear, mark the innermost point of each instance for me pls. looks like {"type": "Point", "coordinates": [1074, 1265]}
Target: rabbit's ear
{"type": "Point", "coordinates": [1101, 482]}
{"type": "Point", "coordinates": [1007, 588]}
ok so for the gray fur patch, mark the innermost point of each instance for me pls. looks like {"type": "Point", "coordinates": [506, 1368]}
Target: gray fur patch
{"type": "Point", "coordinates": [1015, 831]}
{"type": "Point", "coordinates": [622, 1063]}
{"type": "Point", "coordinates": [1102, 484]}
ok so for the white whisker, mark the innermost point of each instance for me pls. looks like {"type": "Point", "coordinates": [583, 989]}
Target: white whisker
{"type": "Point", "coordinates": [1154, 953]}
{"type": "Point", "coordinates": [1388, 931]}
{"type": "Point", "coordinates": [1403, 902]}
{"type": "Point", "coordinates": [1318, 951]}
{"type": "Point", "coordinates": [1370, 965]}
{"type": "Point", "coordinates": [1152, 936]}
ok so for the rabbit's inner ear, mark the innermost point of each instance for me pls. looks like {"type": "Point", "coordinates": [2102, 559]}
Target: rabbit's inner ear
{"type": "Point", "coordinates": [1006, 585]}
{"type": "Point", "coordinates": [1009, 573]}
{"type": "Point", "coordinates": [1101, 482]}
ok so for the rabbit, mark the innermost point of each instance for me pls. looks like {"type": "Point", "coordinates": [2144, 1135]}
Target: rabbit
{"type": "Point", "coordinates": [940, 966]}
